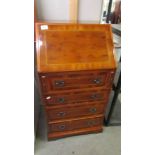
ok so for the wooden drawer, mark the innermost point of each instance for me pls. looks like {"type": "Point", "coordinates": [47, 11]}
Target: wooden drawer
{"type": "Point", "coordinates": [75, 124]}
{"type": "Point", "coordinates": [66, 112]}
{"type": "Point", "coordinates": [76, 97]}
{"type": "Point", "coordinates": [76, 80]}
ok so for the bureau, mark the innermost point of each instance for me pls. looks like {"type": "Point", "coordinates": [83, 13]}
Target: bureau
{"type": "Point", "coordinates": [76, 67]}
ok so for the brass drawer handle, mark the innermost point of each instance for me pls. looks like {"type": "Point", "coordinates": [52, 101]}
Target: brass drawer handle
{"type": "Point", "coordinates": [61, 100]}
{"type": "Point", "coordinates": [97, 81]}
{"type": "Point", "coordinates": [92, 110]}
{"type": "Point", "coordinates": [59, 83]}
{"type": "Point", "coordinates": [43, 76]}
{"type": "Point", "coordinates": [62, 114]}
{"type": "Point", "coordinates": [48, 97]}
{"type": "Point", "coordinates": [62, 127]}
{"type": "Point", "coordinates": [92, 122]}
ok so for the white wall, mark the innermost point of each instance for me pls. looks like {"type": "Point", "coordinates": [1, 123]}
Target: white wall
{"type": "Point", "coordinates": [53, 10]}
{"type": "Point", "coordinates": [90, 10]}
{"type": "Point", "coordinates": [58, 10]}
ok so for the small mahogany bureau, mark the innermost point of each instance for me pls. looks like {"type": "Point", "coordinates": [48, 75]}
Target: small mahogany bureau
{"type": "Point", "coordinates": [76, 67]}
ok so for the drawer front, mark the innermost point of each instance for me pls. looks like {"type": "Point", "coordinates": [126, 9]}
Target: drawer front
{"type": "Point", "coordinates": [74, 111]}
{"type": "Point", "coordinates": [76, 97]}
{"type": "Point", "coordinates": [75, 80]}
{"type": "Point", "coordinates": [75, 124]}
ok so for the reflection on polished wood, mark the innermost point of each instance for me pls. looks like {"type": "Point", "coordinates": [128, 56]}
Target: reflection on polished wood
{"type": "Point", "coordinates": [76, 68]}
{"type": "Point", "coordinates": [73, 47]}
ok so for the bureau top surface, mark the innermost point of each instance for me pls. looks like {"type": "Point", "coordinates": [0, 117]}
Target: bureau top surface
{"type": "Point", "coordinates": [73, 47]}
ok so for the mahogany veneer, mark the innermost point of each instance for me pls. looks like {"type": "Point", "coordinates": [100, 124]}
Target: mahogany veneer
{"type": "Point", "coordinates": [76, 68]}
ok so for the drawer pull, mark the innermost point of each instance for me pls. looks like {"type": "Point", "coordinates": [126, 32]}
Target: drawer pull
{"type": "Point", "coordinates": [59, 83]}
{"type": "Point", "coordinates": [92, 110]}
{"type": "Point", "coordinates": [62, 114]}
{"type": "Point", "coordinates": [61, 100]}
{"type": "Point", "coordinates": [62, 127]}
{"type": "Point", "coordinates": [48, 97]}
{"type": "Point", "coordinates": [90, 123]}
{"type": "Point", "coordinates": [97, 81]}
{"type": "Point", "coordinates": [95, 96]}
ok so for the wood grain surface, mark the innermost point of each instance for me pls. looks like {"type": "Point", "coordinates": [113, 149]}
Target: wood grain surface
{"type": "Point", "coordinates": [76, 97]}
{"type": "Point", "coordinates": [61, 113]}
{"type": "Point", "coordinates": [76, 68]}
{"type": "Point", "coordinates": [72, 47]}
{"type": "Point", "coordinates": [76, 80]}
{"type": "Point", "coordinates": [75, 127]}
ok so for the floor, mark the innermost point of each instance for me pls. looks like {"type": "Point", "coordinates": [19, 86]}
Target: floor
{"type": "Point", "coordinates": [106, 143]}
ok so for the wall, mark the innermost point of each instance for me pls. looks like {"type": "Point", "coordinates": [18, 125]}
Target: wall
{"type": "Point", "coordinates": [48, 10]}
{"type": "Point", "coordinates": [58, 10]}
{"type": "Point", "coordinates": [90, 10]}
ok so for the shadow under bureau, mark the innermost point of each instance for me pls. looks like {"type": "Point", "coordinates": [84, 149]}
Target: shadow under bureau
{"type": "Point", "coordinates": [76, 67]}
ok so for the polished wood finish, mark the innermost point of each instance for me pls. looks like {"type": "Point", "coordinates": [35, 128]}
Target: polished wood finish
{"type": "Point", "coordinates": [76, 97]}
{"type": "Point", "coordinates": [74, 47]}
{"type": "Point", "coordinates": [60, 113]}
{"type": "Point", "coordinates": [75, 80]}
{"type": "Point", "coordinates": [74, 124]}
{"type": "Point", "coordinates": [57, 135]}
{"type": "Point", "coordinates": [76, 68]}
